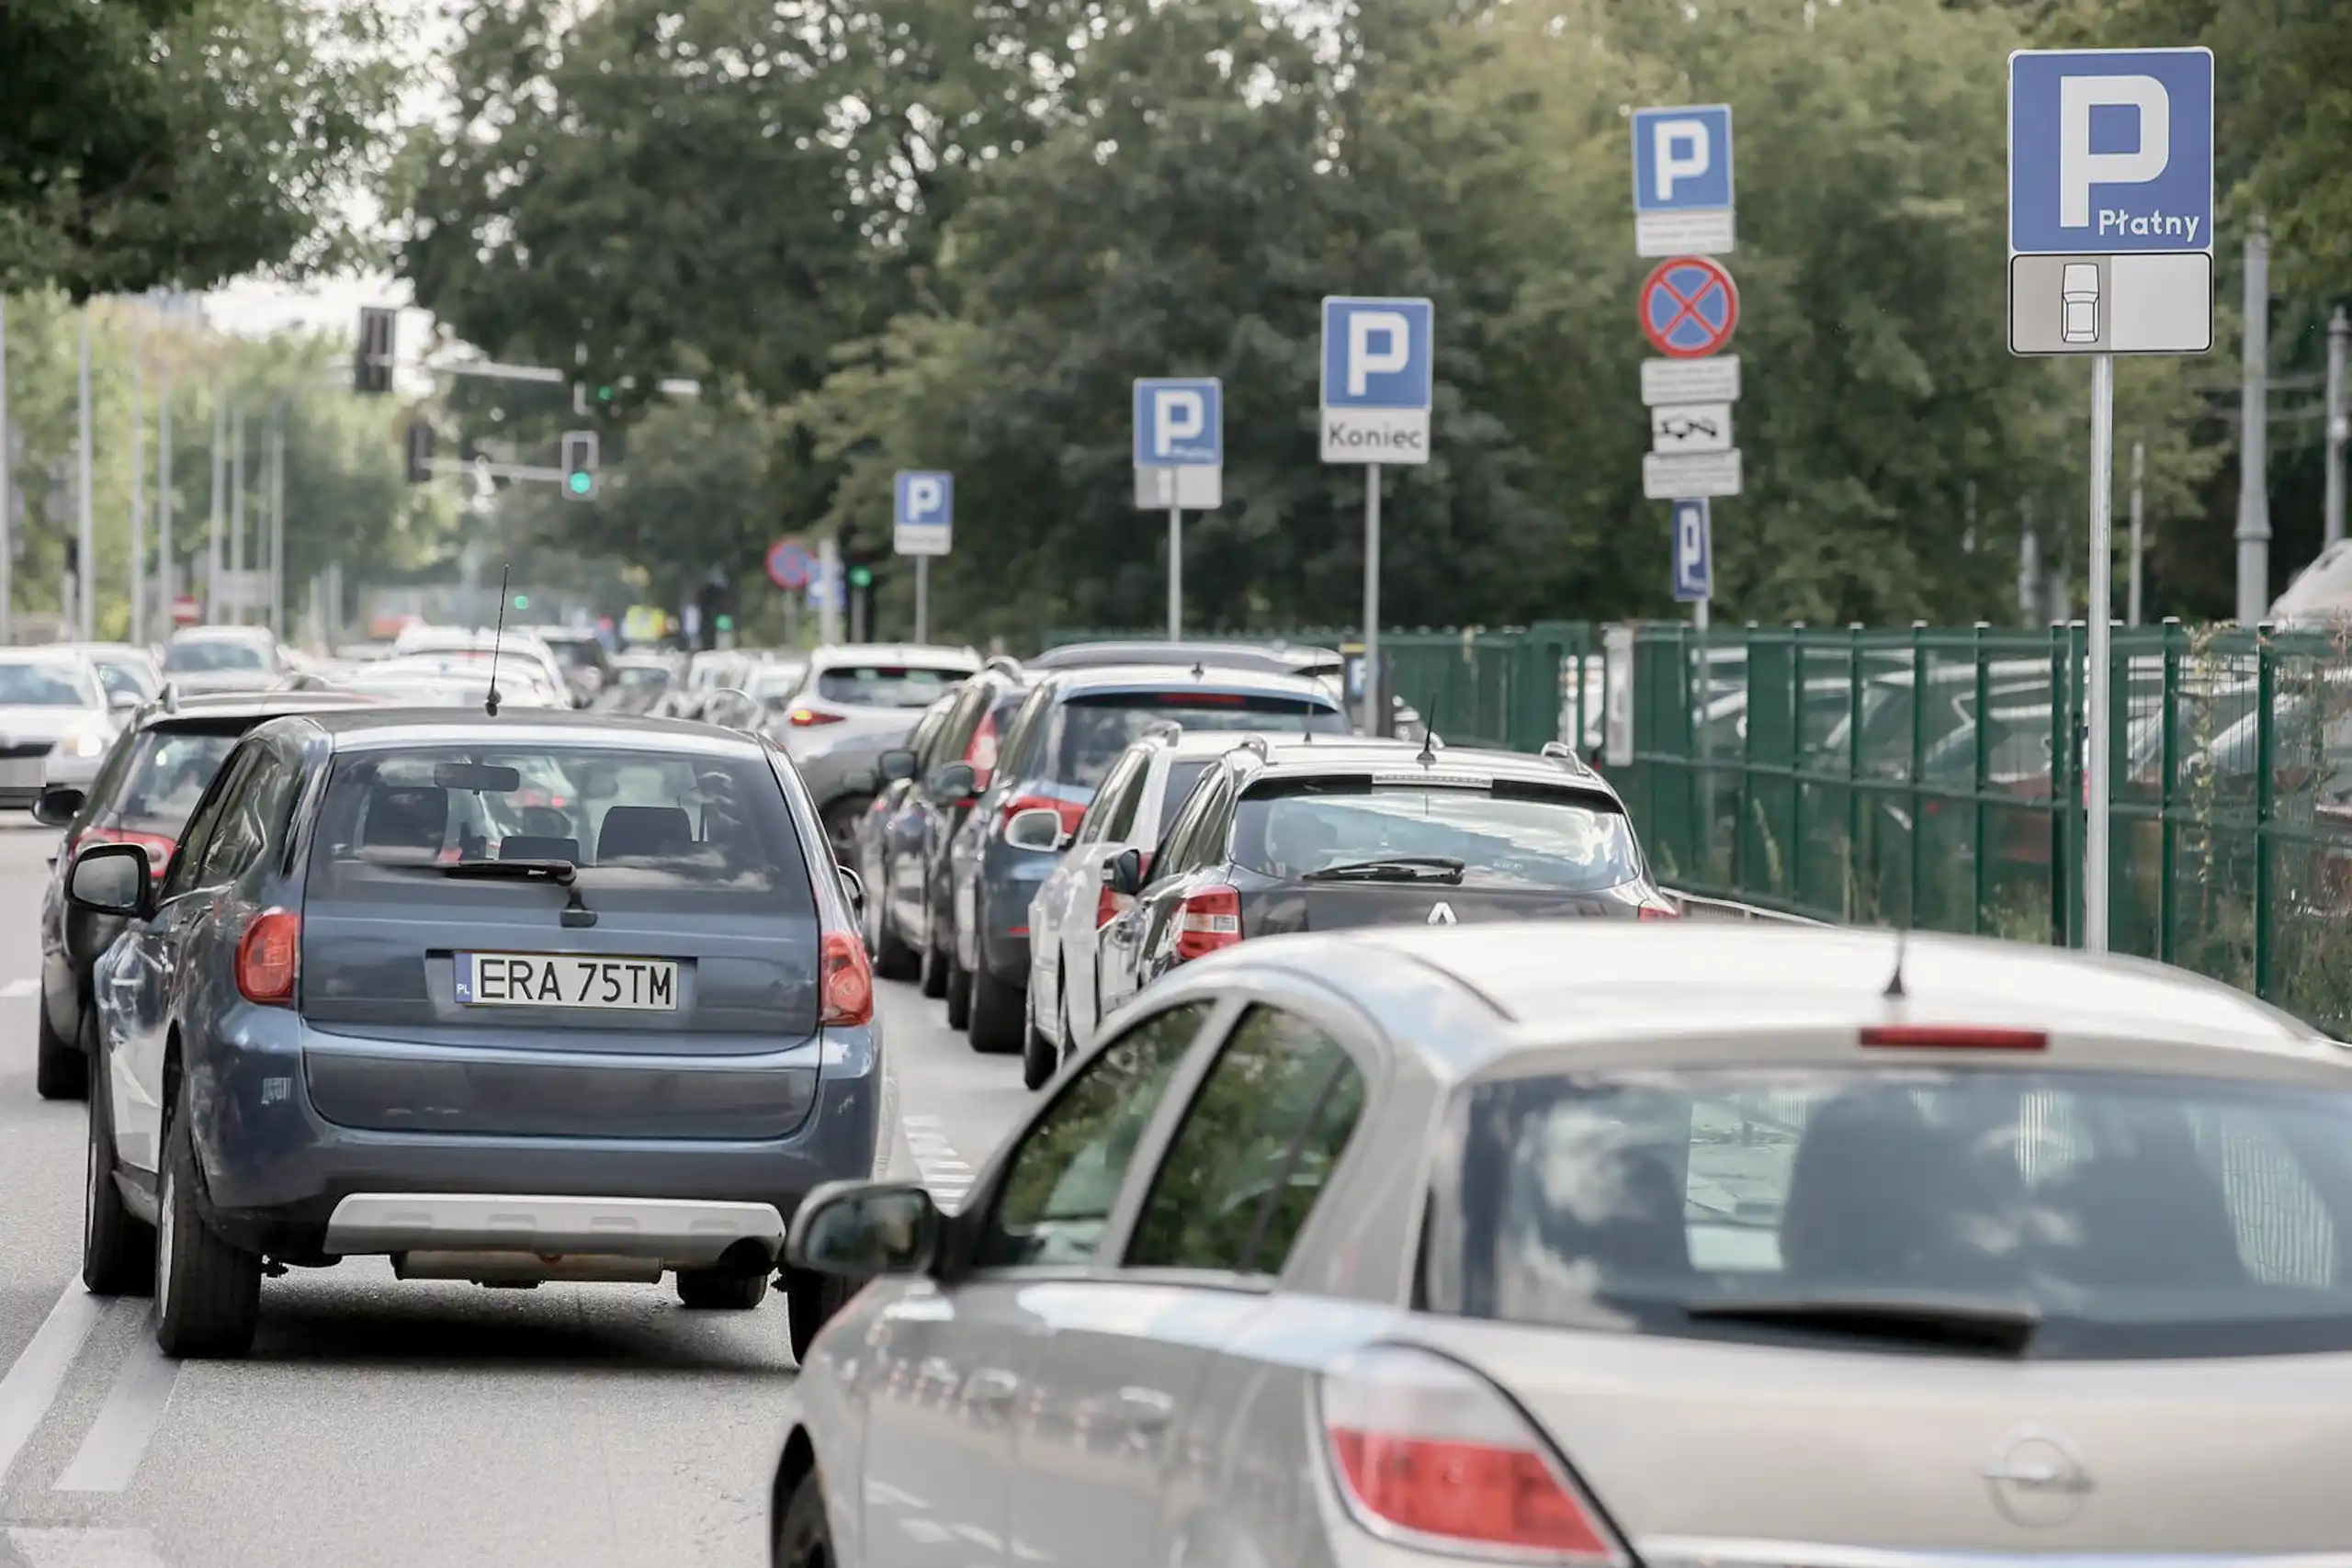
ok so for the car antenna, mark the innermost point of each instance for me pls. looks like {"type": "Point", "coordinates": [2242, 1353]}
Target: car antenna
{"type": "Point", "coordinates": [1427, 758]}
{"type": "Point", "coordinates": [1894, 991]}
{"type": "Point", "coordinates": [490, 702]}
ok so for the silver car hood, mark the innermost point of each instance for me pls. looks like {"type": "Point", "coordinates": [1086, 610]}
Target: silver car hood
{"type": "Point", "coordinates": [1714, 1451]}
{"type": "Point", "coordinates": [36, 725]}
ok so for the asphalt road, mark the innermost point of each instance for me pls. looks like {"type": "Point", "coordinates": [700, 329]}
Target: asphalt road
{"type": "Point", "coordinates": [385, 1423]}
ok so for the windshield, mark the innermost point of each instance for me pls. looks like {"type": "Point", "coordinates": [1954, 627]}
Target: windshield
{"type": "Point", "coordinates": [122, 679]}
{"type": "Point", "coordinates": [170, 773]}
{"type": "Point", "coordinates": [678, 831]}
{"type": "Point", "coordinates": [1544, 839]}
{"type": "Point", "coordinates": [886, 685]}
{"type": "Point", "coordinates": [46, 686]}
{"type": "Point", "coordinates": [2132, 1215]}
{"type": "Point", "coordinates": [1088, 732]}
{"type": "Point", "coordinates": [206, 654]}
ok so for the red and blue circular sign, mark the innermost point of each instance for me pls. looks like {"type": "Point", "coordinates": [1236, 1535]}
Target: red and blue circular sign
{"type": "Point", "coordinates": [1688, 307]}
{"type": "Point", "coordinates": [789, 564]}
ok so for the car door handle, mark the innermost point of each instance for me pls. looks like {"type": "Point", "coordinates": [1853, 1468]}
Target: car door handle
{"type": "Point", "coordinates": [992, 1388]}
{"type": "Point", "coordinates": [1146, 1412]}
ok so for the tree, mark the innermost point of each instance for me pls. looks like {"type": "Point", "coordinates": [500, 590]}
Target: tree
{"type": "Point", "coordinates": [180, 142]}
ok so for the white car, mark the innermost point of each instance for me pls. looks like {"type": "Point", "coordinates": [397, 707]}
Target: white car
{"type": "Point", "coordinates": [225, 658]}
{"type": "Point", "coordinates": [56, 722]}
{"type": "Point", "coordinates": [1137, 797]}
{"type": "Point", "coordinates": [1606, 1243]}
{"type": "Point", "coordinates": [519, 645]}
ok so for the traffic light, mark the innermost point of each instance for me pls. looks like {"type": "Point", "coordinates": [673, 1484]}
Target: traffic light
{"type": "Point", "coordinates": [522, 600]}
{"type": "Point", "coordinates": [372, 369]}
{"type": "Point", "coordinates": [420, 451]}
{"type": "Point", "coordinates": [861, 577]}
{"type": "Point", "coordinates": [579, 463]}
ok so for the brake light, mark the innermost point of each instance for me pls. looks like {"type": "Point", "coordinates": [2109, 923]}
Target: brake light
{"type": "Point", "coordinates": [1207, 921]}
{"type": "Point", "coordinates": [1953, 1037]}
{"type": "Point", "coordinates": [803, 718]}
{"type": "Point", "coordinates": [846, 982]}
{"type": "Point", "coordinates": [1656, 912]}
{"type": "Point", "coordinates": [159, 848]}
{"type": "Point", "coordinates": [1202, 700]}
{"type": "Point", "coordinates": [1070, 812]}
{"type": "Point", "coordinates": [980, 752]}
{"type": "Point", "coordinates": [265, 957]}
{"type": "Point", "coordinates": [1429, 1454]}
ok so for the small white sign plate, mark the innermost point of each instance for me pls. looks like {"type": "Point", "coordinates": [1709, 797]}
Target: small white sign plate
{"type": "Point", "coordinates": [1691, 479]}
{"type": "Point", "coordinates": [1680, 429]}
{"type": "Point", "coordinates": [1715, 379]}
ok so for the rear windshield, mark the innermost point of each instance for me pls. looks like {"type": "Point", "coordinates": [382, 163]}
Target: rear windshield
{"type": "Point", "coordinates": [886, 685]}
{"type": "Point", "coordinates": [578, 653]}
{"type": "Point", "coordinates": [2133, 1215]}
{"type": "Point", "coordinates": [663, 830]}
{"type": "Point", "coordinates": [170, 773]}
{"type": "Point", "coordinates": [211, 655]}
{"type": "Point", "coordinates": [1088, 732]}
{"type": "Point", "coordinates": [44, 686]}
{"type": "Point", "coordinates": [1553, 840]}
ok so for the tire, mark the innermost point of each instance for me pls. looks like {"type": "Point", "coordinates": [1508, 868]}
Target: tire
{"type": "Point", "coordinates": [721, 1290]}
{"type": "Point", "coordinates": [117, 1246]}
{"type": "Point", "coordinates": [999, 1014]}
{"type": "Point", "coordinates": [804, 1537]}
{"type": "Point", "coordinates": [935, 971]}
{"type": "Point", "coordinates": [811, 1300]}
{"type": "Point", "coordinates": [959, 994]}
{"type": "Point", "coordinates": [1038, 1058]}
{"type": "Point", "coordinates": [893, 959]}
{"type": "Point", "coordinates": [60, 1070]}
{"type": "Point", "coordinates": [208, 1293]}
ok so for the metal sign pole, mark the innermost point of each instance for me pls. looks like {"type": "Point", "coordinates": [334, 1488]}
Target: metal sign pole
{"type": "Point", "coordinates": [2097, 696]}
{"type": "Point", "coordinates": [1372, 684]}
{"type": "Point", "coordinates": [2139, 507]}
{"type": "Point", "coordinates": [1175, 574]}
{"type": "Point", "coordinates": [922, 599]}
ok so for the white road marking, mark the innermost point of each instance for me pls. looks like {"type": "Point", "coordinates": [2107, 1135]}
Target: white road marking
{"type": "Point", "coordinates": [108, 1457]}
{"type": "Point", "coordinates": [87, 1548]}
{"type": "Point", "coordinates": [33, 1383]}
{"type": "Point", "coordinates": [943, 1171]}
{"type": "Point", "coordinates": [16, 989]}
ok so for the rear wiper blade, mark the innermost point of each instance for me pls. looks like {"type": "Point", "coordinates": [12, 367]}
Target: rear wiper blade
{"type": "Point", "coordinates": [559, 872]}
{"type": "Point", "coordinates": [1963, 1322]}
{"type": "Point", "coordinates": [1393, 868]}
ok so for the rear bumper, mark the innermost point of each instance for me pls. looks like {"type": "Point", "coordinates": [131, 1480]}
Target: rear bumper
{"type": "Point", "coordinates": [277, 1175]}
{"type": "Point", "coordinates": [687, 1234]}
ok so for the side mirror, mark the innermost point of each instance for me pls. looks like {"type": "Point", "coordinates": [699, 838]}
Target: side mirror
{"type": "Point", "coordinates": [857, 1229]}
{"type": "Point", "coordinates": [956, 781]}
{"type": "Point", "coordinates": [123, 701]}
{"type": "Point", "coordinates": [1039, 827]}
{"type": "Point", "coordinates": [896, 765]}
{"type": "Point", "coordinates": [110, 879]}
{"type": "Point", "coordinates": [859, 781]}
{"type": "Point", "coordinates": [57, 806]}
{"type": "Point", "coordinates": [1125, 876]}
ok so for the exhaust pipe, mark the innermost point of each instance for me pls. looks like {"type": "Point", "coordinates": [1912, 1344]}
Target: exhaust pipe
{"type": "Point", "coordinates": [528, 1269]}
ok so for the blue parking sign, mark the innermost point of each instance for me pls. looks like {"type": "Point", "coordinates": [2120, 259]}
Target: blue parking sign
{"type": "Point", "coordinates": [1378, 379]}
{"type": "Point", "coordinates": [1682, 159]}
{"type": "Point", "coordinates": [923, 511]}
{"type": "Point", "coordinates": [1694, 546]}
{"type": "Point", "coordinates": [2110, 151]}
{"type": "Point", "coordinates": [1180, 422]}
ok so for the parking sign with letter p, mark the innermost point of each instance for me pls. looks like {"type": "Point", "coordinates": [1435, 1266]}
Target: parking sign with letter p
{"type": "Point", "coordinates": [1378, 379]}
{"type": "Point", "coordinates": [923, 504]}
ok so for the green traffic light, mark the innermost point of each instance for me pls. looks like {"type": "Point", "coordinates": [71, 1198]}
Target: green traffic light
{"type": "Point", "coordinates": [726, 623]}
{"type": "Point", "coordinates": [582, 483]}
{"type": "Point", "coordinates": [861, 577]}
{"type": "Point", "coordinates": [522, 600]}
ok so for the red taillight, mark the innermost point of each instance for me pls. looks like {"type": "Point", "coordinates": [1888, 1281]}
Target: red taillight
{"type": "Point", "coordinates": [1070, 812]}
{"type": "Point", "coordinates": [1108, 907]}
{"type": "Point", "coordinates": [265, 957]}
{"type": "Point", "coordinates": [1950, 1037]}
{"type": "Point", "coordinates": [803, 718]}
{"type": "Point", "coordinates": [1202, 700]}
{"type": "Point", "coordinates": [1209, 919]}
{"type": "Point", "coordinates": [1428, 1453]}
{"type": "Point", "coordinates": [847, 982]}
{"type": "Point", "coordinates": [1656, 912]}
{"type": "Point", "coordinates": [159, 848]}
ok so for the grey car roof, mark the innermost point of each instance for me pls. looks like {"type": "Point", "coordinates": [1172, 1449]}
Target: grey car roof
{"type": "Point", "coordinates": [888, 652]}
{"type": "Point", "coordinates": [387, 728]}
{"type": "Point", "coordinates": [1228, 655]}
{"type": "Point", "coordinates": [1285, 758]}
{"type": "Point", "coordinates": [252, 704]}
{"type": "Point", "coordinates": [1181, 678]}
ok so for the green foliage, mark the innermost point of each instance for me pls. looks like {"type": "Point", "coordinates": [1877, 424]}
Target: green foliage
{"type": "Point", "coordinates": [181, 142]}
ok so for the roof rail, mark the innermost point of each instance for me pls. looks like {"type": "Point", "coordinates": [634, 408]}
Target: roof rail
{"type": "Point", "coordinates": [1254, 743]}
{"type": "Point", "coordinates": [1161, 729]}
{"type": "Point", "coordinates": [1560, 751]}
{"type": "Point", "coordinates": [1003, 662]}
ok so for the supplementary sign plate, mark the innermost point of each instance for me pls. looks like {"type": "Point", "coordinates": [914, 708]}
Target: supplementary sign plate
{"type": "Point", "coordinates": [1689, 479]}
{"type": "Point", "coordinates": [1715, 379]}
{"type": "Point", "coordinates": [1679, 429]}
{"type": "Point", "coordinates": [1194, 487]}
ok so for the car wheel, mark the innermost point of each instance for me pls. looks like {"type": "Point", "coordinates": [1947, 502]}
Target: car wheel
{"type": "Point", "coordinates": [893, 959]}
{"type": "Point", "coordinates": [60, 1070]}
{"type": "Point", "coordinates": [959, 994]}
{"type": "Point", "coordinates": [810, 1300]}
{"type": "Point", "coordinates": [998, 1013]}
{"type": "Point", "coordinates": [117, 1246]}
{"type": "Point", "coordinates": [935, 971]}
{"type": "Point", "coordinates": [1038, 1058]}
{"type": "Point", "coordinates": [208, 1293]}
{"type": "Point", "coordinates": [804, 1537]}
{"type": "Point", "coordinates": [721, 1290]}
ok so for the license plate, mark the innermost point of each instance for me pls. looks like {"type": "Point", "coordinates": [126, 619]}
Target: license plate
{"type": "Point", "coordinates": [566, 980]}
{"type": "Point", "coordinates": [21, 773]}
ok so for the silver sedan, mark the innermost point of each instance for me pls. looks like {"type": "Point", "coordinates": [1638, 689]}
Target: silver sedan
{"type": "Point", "coordinates": [1587, 1244]}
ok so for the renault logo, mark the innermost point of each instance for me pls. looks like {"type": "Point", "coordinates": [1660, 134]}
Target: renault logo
{"type": "Point", "coordinates": [2037, 1478]}
{"type": "Point", "coordinates": [1441, 914]}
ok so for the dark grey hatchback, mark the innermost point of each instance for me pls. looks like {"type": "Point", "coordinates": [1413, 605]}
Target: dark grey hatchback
{"type": "Point", "coordinates": [538, 997]}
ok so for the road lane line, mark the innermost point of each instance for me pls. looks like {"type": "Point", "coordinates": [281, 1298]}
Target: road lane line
{"type": "Point", "coordinates": [945, 1172]}
{"type": "Point", "coordinates": [15, 989]}
{"type": "Point", "coordinates": [38, 1374]}
{"type": "Point", "coordinates": [108, 1457]}
{"type": "Point", "coordinates": [70, 1548]}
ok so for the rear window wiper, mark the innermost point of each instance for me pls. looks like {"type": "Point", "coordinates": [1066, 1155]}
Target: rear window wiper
{"type": "Point", "coordinates": [1970, 1323]}
{"type": "Point", "coordinates": [559, 872]}
{"type": "Point", "coordinates": [1393, 868]}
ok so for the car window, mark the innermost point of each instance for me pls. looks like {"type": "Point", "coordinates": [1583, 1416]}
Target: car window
{"type": "Point", "coordinates": [1090, 730]}
{"type": "Point", "coordinates": [207, 654]}
{"type": "Point", "coordinates": [1064, 1179]}
{"type": "Point", "coordinates": [27, 684]}
{"type": "Point", "coordinates": [1023, 733]}
{"type": "Point", "coordinates": [1101, 820]}
{"type": "Point", "coordinates": [121, 679]}
{"type": "Point", "coordinates": [1256, 1148]}
{"type": "Point", "coordinates": [1507, 836]}
{"type": "Point", "coordinates": [170, 770]}
{"type": "Point", "coordinates": [107, 782]}
{"type": "Point", "coordinates": [955, 733]}
{"type": "Point", "coordinates": [1181, 777]}
{"type": "Point", "coordinates": [206, 822]}
{"type": "Point", "coordinates": [1176, 837]}
{"type": "Point", "coordinates": [886, 685]}
{"type": "Point", "coordinates": [251, 816]}
{"type": "Point", "coordinates": [2132, 1215]}
{"type": "Point", "coordinates": [1204, 831]}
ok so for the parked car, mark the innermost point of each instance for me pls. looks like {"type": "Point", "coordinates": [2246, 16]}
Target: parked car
{"type": "Point", "coordinates": [858, 701]}
{"type": "Point", "coordinates": [456, 645]}
{"type": "Point", "coordinates": [892, 826]}
{"type": "Point", "coordinates": [149, 781]}
{"type": "Point", "coordinates": [125, 672]}
{"type": "Point", "coordinates": [1299, 837]}
{"type": "Point", "coordinates": [1425, 1247]}
{"type": "Point", "coordinates": [1056, 751]}
{"type": "Point", "coordinates": [1138, 797]}
{"type": "Point", "coordinates": [547, 1022]}
{"type": "Point", "coordinates": [224, 658]}
{"type": "Point", "coordinates": [1327, 665]}
{"type": "Point", "coordinates": [56, 720]}
{"type": "Point", "coordinates": [638, 683]}
{"type": "Point", "coordinates": [581, 656]}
